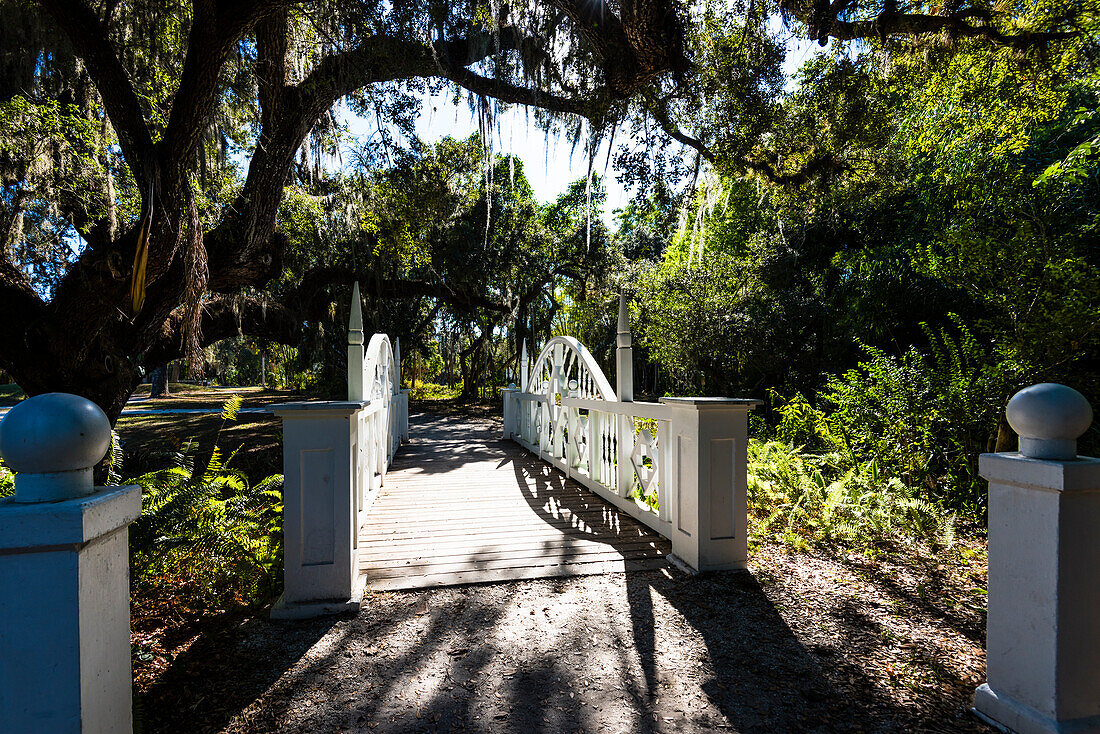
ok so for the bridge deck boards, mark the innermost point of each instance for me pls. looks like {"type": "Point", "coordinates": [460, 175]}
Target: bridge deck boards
{"type": "Point", "coordinates": [461, 506]}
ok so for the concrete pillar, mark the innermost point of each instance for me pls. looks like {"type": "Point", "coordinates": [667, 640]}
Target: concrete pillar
{"type": "Point", "coordinates": [64, 574]}
{"type": "Point", "coordinates": [403, 427]}
{"type": "Point", "coordinates": [511, 411]}
{"type": "Point", "coordinates": [1043, 626]}
{"type": "Point", "coordinates": [707, 470]}
{"type": "Point", "coordinates": [320, 509]}
{"type": "Point", "coordinates": [397, 364]}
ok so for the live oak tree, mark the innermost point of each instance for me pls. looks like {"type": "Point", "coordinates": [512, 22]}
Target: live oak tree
{"type": "Point", "coordinates": [129, 238]}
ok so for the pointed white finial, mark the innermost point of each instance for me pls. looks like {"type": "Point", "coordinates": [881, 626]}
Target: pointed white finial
{"type": "Point", "coordinates": [356, 358]}
{"type": "Point", "coordinates": [355, 321]}
{"type": "Point", "coordinates": [624, 319]}
{"type": "Point", "coordinates": [523, 367]}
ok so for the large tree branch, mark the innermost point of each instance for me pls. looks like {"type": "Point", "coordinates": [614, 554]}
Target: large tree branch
{"type": "Point", "coordinates": [646, 41]}
{"type": "Point", "coordinates": [23, 311]}
{"type": "Point", "coordinates": [216, 27]}
{"type": "Point", "coordinates": [823, 21]}
{"type": "Point", "coordinates": [513, 94]}
{"type": "Point", "coordinates": [290, 112]}
{"type": "Point", "coordinates": [224, 317]}
{"type": "Point", "coordinates": [285, 321]}
{"type": "Point", "coordinates": [88, 36]}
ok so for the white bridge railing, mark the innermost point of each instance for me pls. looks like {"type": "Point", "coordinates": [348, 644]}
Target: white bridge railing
{"type": "Point", "coordinates": [686, 456]}
{"type": "Point", "coordinates": [335, 458]}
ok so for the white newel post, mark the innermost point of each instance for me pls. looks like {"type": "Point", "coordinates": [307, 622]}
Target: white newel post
{"type": "Point", "coordinates": [707, 469]}
{"type": "Point", "coordinates": [511, 411]}
{"type": "Point", "coordinates": [320, 512]}
{"type": "Point", "coordinates": [64, 574]}
{"type": "Point", "coordinates": [1043, 625]}
{"type": "Point", "coordinates": [624, 389]}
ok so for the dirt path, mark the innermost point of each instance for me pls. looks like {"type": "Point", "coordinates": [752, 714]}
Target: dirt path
{"type": "Point", "coordinates": [801, 643]}
{"type": "Point", "coordinates": [815, 646]}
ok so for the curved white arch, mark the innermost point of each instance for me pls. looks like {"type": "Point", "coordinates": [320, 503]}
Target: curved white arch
{"type": "Point", "coordinates": [379, 373]}
{"type": "Point", "coordinates": [562, 360]}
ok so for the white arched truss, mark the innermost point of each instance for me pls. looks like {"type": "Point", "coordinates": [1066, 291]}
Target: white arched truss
{"type": "Point", "coordinates": [382, 424]}
{"type": "Point", "coordinates": [565, 366]}
{"type": "Point", "coordinates": [572, 417]}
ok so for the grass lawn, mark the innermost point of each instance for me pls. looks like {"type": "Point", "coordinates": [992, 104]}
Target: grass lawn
{"type": "Point", "coordinates": [184, 395]}
{"type": "Point", "coordinates": [151, 442]}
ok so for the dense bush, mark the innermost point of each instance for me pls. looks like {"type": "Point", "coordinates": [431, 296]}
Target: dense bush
{"type": "Point", "coordinates": [924, 418]}
{"type": "Point", "coordinates": [208, 529]}
{"type": "Point", "coordinates": [805, 499]}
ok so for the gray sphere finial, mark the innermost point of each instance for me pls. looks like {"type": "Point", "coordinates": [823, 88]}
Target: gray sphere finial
{"type": "Point", "coordinates": [1049, 418]}
{"type": "Point", "coordinates": [51, 442]}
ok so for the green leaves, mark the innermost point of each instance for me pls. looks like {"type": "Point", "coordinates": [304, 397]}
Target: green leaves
{"type": "Point", "coordinates": [231, 407]}
{"type": "Point", "coordinates": [807, 499]}
{"type": "Point", "coordinates": [215, 531]}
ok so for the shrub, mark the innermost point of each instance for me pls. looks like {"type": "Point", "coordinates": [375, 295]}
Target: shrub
{"type": "Point", "coordinates": [215, 531]}
{"type": "Point", "coordinates": [209, 529]}
{"type": "Point", "coordinates": [7, 481]}
{"type": "Point", "coordinates": [434, 391]}
{"type": "Point", "coordinates": [807, 499]}
{"type": "Point", "coordinates": [924, 418]}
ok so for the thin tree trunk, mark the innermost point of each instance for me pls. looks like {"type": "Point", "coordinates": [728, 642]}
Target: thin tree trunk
{"type": "Point", "coordinates": [160, 382]}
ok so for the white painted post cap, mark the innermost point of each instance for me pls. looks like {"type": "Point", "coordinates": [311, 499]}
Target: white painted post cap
{"type": "Point", "coordinates": [51, 442]}
{"type": "Point", "coordinates": [1049, 418]}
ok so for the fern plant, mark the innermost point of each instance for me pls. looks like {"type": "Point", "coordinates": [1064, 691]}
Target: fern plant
{"type": "Point", "coordinates": [209, 527]}
{"type": "Point", "coordinates": [215, 529]}
{"type": "Point", "coordinates": [808, 499]}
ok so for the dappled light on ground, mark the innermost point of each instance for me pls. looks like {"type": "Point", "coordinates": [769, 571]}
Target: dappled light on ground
{"type": "Point", "coordinates": [462, 505]}
{"type": "Point", "coordinates": [813, 648]}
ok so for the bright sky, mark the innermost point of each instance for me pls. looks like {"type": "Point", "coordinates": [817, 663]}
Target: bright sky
{"type": "Point", "coordinates": [549, 161]}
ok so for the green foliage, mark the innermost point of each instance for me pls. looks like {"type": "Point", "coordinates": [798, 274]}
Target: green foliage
{"type": "Point", "coordinates": [946, 260]}
{"type": "Point", "coordinates": [807, 499]}
{"type": "Point", "coordinates": [919, 418]}
{"type": "Point", "coordinates": [211, 531]}
{"type": "Point", "coordinates": [433, 391]}
{"type": "Point", "coordinates": [7, 481]}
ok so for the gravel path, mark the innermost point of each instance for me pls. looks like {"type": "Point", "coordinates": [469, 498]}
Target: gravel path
{"type": "Point", "coordinates": [804, 643]}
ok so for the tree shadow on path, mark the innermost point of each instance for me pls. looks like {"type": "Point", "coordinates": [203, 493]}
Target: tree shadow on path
{"type": "Point", "coordinates": [641, 651]}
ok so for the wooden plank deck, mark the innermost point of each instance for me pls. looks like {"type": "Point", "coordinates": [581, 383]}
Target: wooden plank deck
{"type": "Point", "coordinates": [461, 505]}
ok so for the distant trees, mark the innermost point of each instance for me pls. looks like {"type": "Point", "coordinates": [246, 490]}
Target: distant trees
{"type": "Point", "coordinates": [145, 145]}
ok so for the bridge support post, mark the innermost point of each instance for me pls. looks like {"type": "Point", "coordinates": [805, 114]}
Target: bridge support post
{"type": "Point", "coordinates": [320, 509]}
{"type": "Point", "coordinates": [403, 424]}
{"type": "Point", "coordinates": [1042, 636]}
{"type": "Point", "coordinates": [708, 462]}
{"type": "Point", "coordinates": [511, 411]}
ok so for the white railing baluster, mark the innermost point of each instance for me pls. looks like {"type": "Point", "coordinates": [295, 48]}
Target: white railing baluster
{"type": "Point", "coordinates": [694, 462]}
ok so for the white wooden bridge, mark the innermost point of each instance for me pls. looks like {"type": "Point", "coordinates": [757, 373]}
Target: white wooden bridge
{"type": "Point", "coordinates": [579, 479]}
